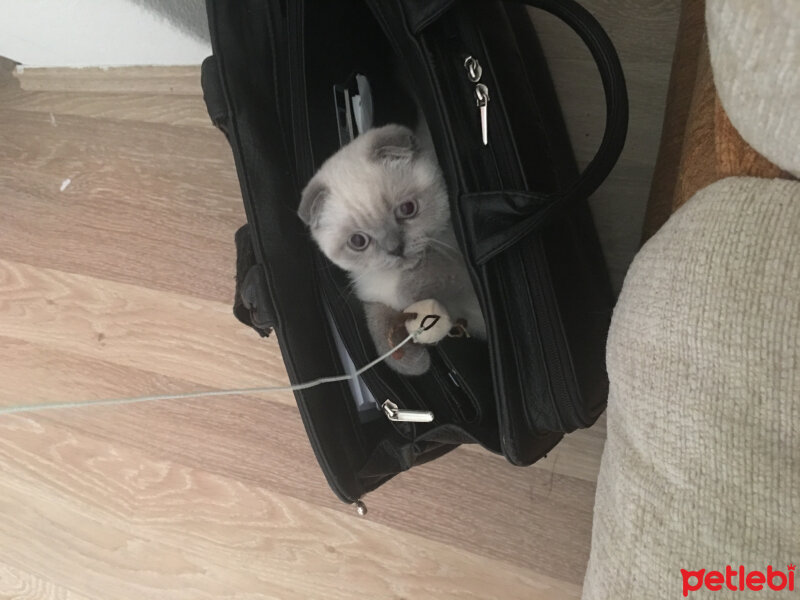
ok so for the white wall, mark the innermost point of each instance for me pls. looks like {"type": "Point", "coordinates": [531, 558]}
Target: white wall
{"type": "Point", "coordinates": [93, 33]}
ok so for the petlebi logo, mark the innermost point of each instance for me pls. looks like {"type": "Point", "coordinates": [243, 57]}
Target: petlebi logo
{"type": "Point", "coordinates": [739, 579]}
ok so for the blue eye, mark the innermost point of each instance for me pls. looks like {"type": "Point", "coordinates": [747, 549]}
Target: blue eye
{"type": "Point", "coordinates": [406, 210]}
{"type": "Point", "coordinates": [358, 241]}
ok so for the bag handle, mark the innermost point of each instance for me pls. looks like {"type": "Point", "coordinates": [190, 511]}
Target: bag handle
{"type": "Point", "coordinates": [498, 220]}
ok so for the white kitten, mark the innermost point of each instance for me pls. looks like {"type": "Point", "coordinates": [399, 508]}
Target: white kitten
{"type": "Point", "coordinates": [379, 209]}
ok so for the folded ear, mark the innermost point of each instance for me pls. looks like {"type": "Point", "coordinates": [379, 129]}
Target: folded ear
{"type": "Point", "coordinates": [393, 143]}
{"type": "Point", "coordinates": [311, 201]}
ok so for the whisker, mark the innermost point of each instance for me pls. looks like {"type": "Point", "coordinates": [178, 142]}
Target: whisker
{"type": "Point", "coordinates": [441, 243]}
{"type": "Point", "coordinates": [445, 249]}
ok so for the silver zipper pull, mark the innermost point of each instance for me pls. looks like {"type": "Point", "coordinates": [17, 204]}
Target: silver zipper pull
{"type": "Point", "coordinates": [395, 413]}
{"type": "Point", "coordinates": [482, 99]}
{"type": "Point", "coordinates": [474, 72]}
{"type": "Point", "coordinates": [474, 69]}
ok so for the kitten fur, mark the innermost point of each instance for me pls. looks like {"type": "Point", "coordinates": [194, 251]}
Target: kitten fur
{"type": "Point", "coordinates": [359, 190]}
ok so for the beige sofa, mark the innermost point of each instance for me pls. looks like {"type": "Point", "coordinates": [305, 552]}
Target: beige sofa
{"type": "Point", "coordinates": [701, 469]}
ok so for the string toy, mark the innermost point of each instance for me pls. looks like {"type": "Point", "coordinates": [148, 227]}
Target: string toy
{"type": "Point", "coordinates": [35, 408]}
{"type": "Point", "coordinates": [430, 323]}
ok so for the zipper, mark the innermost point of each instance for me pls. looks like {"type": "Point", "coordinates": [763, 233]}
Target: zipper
{"type": "Point", "coordinates": [459, 52]}
{"type": "Point", "coordinates": [482, 100]}
{"type": "Point", "coordinates": [301, 142]}
{"type": "Point", "coordinates": [474, 69]}
{"type": "Point", "coordinates": [403, 415]}
{"type": "Point", "coordinates": [502, 149]}
{"type": "Point", "coordinates": [474, 73]}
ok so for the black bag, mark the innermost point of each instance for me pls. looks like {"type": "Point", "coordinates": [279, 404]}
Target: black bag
{"type": "Point", "coordinates": [518, 206]}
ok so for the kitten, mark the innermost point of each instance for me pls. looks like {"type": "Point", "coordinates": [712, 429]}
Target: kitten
{"type": "Point", "coordinates": [379, 209]}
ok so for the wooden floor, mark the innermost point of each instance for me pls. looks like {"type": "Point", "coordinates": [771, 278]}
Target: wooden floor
{"type": "Point", "coordinates": [118, 205]}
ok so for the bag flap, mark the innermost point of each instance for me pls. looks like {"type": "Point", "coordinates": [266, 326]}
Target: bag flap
{"type": "Point", "coordinates": [420, 13]}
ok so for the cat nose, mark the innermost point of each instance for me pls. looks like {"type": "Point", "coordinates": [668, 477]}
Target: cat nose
{"type": "Point", "coordinates": [396, 249]}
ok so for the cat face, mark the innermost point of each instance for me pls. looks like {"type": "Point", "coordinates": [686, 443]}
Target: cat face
{"type": "Point", "coordinates": [377, 202]}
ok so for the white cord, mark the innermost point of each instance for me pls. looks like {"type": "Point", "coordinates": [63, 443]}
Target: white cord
{"type": "Point", "coordinates": [11, 410]}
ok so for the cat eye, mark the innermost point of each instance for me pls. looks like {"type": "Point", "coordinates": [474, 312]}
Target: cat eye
{"type": "Point", "coordinates": [358, 241]}
{"type": "Point", "coordinates": [406, 210]}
